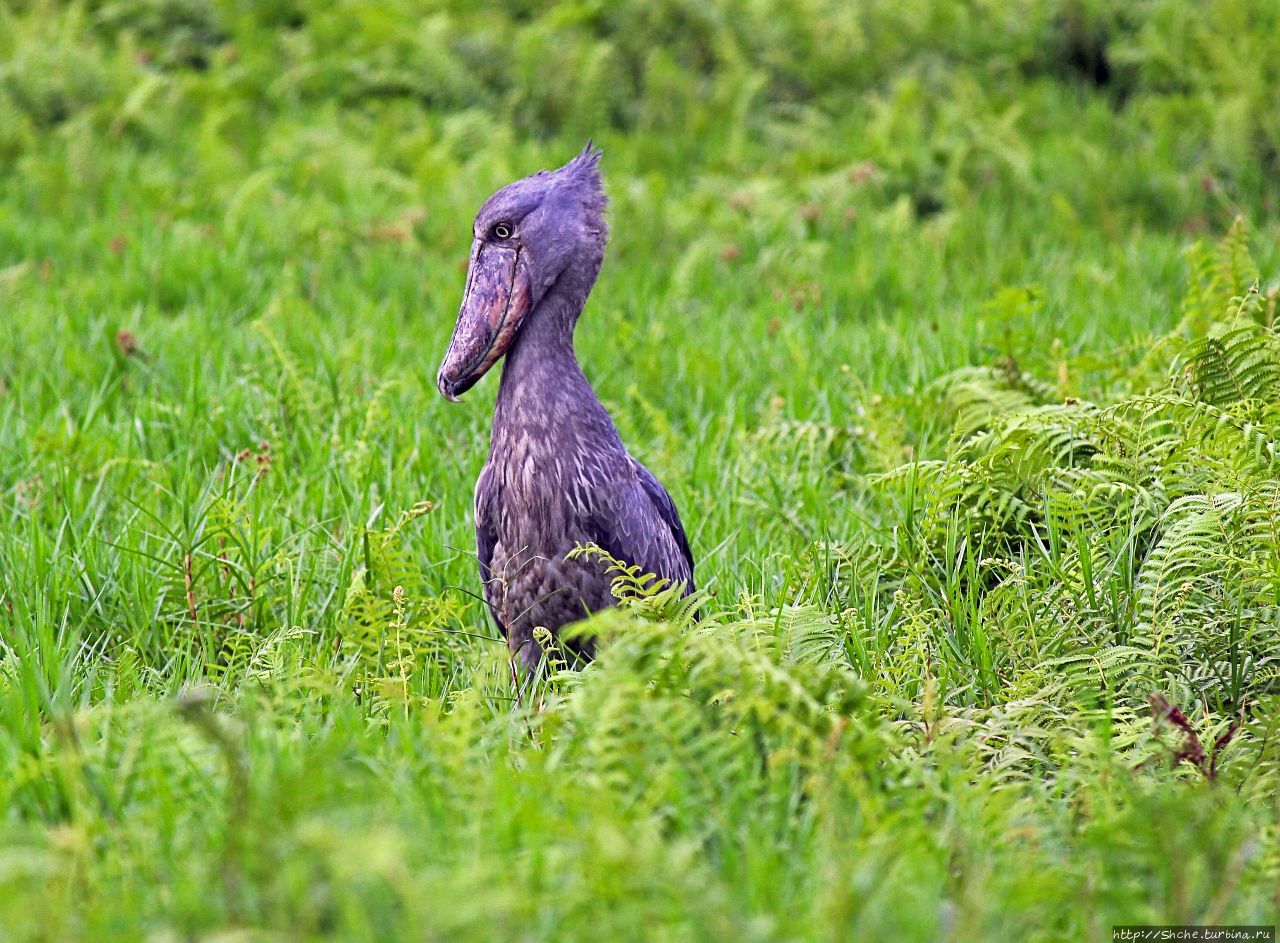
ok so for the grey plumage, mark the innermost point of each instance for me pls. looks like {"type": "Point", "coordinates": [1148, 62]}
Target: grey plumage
{"type": "Point", "coordinates": [557, 474]}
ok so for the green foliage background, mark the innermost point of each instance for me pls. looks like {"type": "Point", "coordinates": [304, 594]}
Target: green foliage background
{"type": "Point", "coordinates": [949, 325]}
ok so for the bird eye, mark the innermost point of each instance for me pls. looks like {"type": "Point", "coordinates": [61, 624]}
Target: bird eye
{"type": "Point", "coordinates": [502, 231]}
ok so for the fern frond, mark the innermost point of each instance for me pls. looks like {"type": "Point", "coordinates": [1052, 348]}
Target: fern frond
{"type": "Point", "coordinates": [645, 594]}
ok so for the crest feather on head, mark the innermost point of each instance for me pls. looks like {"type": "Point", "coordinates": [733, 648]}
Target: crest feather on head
{"type": "Point", "coordinates": [583, 174]}
{"type": "Point", "coordinates": [586, 166]}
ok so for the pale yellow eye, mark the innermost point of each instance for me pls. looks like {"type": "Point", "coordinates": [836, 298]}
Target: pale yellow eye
{"type": "Point", "coordinates": [502, 231]}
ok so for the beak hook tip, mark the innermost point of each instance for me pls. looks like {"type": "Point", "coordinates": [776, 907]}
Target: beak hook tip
{"type": "Point", "coordinates": [446, 388]}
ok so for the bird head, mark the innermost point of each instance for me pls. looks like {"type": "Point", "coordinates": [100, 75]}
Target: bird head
{"type": "Point", "coordinates": [528, 236]}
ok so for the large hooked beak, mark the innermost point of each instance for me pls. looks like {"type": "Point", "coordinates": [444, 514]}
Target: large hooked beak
{"type": "Point", "coordinates": [496, 300]}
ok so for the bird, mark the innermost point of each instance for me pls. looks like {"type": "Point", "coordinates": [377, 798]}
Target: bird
{"type": "Point", "coordinates": [558, 475]}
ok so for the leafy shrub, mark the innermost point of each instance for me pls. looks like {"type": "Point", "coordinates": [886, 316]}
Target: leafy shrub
{"type": "Point", "coordinates": [1112, 549]}
{"type": "Point", "coordinates": [174, 33]}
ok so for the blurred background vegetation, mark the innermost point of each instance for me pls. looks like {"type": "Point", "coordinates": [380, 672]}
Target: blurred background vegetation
{"type": "Point", "coordinates": [1156, 110]}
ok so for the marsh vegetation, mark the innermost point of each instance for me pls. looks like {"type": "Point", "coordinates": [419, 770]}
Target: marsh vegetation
{"type": "Point", "coordinates": [949, 326]}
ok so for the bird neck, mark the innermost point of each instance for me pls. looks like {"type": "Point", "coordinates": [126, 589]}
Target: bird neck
{"type": "Point", "coordinates": [543, 388]}
{"type": "Point", "coordinates": [540, 364]}
{"type": "Point", "coordinates": [545, 341]}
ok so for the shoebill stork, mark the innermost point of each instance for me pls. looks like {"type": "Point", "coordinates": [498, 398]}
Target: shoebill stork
{"type": "Point", "coordinates": [558, 474]}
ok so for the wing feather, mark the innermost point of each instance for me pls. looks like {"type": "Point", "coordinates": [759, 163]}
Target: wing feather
{"type": "Point", "coordinates": [638, 523]}
{"type": "Point", "coordinates": [666, 509]}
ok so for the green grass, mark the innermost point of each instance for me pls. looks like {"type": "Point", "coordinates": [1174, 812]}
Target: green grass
{"type": "Point", "coordinates": [975, 447]}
